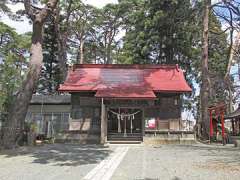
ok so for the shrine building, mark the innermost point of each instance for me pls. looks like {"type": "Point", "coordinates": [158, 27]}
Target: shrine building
{"type": "Point", "coordinates": [124, 102]}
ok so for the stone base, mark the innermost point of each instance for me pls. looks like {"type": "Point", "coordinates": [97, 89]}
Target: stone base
{"type": "Point", "coordinates": [236, 141]}
{"type": "Point", "coordinates": [168, 138]}
{"type": "Point", "coordinates": [77, 138]}
{"type": "Point", "coordinates": [149, 138]}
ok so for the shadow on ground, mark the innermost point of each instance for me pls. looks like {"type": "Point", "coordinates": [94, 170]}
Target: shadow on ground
{"type": "Point", "coordinates": [62, 154]}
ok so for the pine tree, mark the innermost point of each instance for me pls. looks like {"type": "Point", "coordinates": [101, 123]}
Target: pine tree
{"type": "Point", "coordinates": [20, 107]}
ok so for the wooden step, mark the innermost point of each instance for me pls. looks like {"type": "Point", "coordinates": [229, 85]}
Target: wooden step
{"type": "Point", "coordinates": [121, 138]}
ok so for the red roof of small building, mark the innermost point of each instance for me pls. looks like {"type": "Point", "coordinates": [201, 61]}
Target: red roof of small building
{"type": "Point", "coordinates": [125, 81]}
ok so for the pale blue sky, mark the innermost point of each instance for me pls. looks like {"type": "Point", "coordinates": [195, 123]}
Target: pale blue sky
{"type": "Point", "coordinates": [24, 26]}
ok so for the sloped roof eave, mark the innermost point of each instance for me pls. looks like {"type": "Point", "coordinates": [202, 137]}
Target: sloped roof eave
{"type": "Point", "coordinates": [95, 77]}
{"type": "Point", "coordinates": [139, 92]}
{"type": "Point", "coordinates": [233, 114]}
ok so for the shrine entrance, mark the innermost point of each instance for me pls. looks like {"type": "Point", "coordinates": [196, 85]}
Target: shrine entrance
{"type": "Point", "coordinates": [124, 124]}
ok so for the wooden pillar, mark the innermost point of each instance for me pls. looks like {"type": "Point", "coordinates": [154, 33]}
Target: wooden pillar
{"type": "Point", "coordinates": [217, 125]}
{"type": "Point", "coordinates": [119, 121]}
{"type": "Point", "coordinates": [103, 123]}
{"type": "Point", "coordinates": [233, 128]}
{"type": "Point", "coordinates": [211, 125]}
{"type": "Point", "coordinates": [143, 122]}
{"type": "Point", "coordinates": [179, 124]}
{"type": "Point", "coordinates": [223, 128]}
{"type": "Point", "coordinates": [125, 127]}
{"type": "Point", "coordinates": [238, 121]}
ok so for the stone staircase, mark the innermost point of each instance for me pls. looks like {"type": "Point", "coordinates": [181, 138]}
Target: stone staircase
{"type": "Point", "coordinates": [117, 138]}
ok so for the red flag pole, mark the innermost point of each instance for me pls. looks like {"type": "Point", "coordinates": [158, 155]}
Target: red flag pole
{"type": "Point", "coordinates": [211, 125]}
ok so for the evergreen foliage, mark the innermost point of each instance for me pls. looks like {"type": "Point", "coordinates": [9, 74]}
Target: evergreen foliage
{"type": "Point", "coordinates": [13, 63]}
{"type": "Point", "coordinates": [49, 78]}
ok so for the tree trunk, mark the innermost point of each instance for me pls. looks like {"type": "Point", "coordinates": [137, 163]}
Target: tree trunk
{"type": "Point", "coordinates": [230, 105]}
{"type": "Point", "coordinates": [105, 49]}
{"type": "Point", "coordinates": [205, 84]}
{"type": "Point", "coordinates": [95, 56]}
{"type": "Point", "coordinates": [82, 52]}
{"type": "Point", "coordinates": [232, 49]}
{"type": "Point", "coordinates": [61, 44]}
{"type": "Point", "coordinates": [109, 46]}
{"type": "Point", "coordinates": [108, 52]}
{"type": "Point", "coordinates": [19, 108]}
{"type": "Point", "coordinates": [62, 59]}
{"type": "Point", "coordinates": [14, 125]}
{"type": "Point", "coordinates": [62, 41]}
{"type": "Point", "coordinates": [80, 57]}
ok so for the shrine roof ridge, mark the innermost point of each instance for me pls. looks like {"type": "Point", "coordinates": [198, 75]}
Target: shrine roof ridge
{"type": "Point", "coordinates": [127, 66]}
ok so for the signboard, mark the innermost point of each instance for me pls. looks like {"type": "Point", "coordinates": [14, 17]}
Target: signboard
{"type": "Point", "coordinates": [151, 123]}
{"type": "Point", "coordinates": [78, 125]}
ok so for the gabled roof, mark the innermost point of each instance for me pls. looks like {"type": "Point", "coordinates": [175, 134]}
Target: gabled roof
{"type": "Point", "coordinates": [132, 79]}
{"type": "Point", "coordinates": [50, 99]}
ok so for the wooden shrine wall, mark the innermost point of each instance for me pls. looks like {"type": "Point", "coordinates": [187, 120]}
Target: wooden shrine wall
{"type": "Point", "coordinates": [167, 111]}
{"type": "Point", "coordinates": [85, 113]}
{"type": "Point", "coordinates": [86, 109]}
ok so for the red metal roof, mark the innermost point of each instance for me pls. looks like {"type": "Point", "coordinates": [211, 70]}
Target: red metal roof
{"type": "Point", "coordinates": [114, 80]}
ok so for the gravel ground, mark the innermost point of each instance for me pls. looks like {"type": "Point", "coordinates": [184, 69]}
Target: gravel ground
{"type": "Point", "coordinates": [141, 162]}
{"type": "Point", "coordinates": [180, 162]}
{"type": "Point", "coordinates": [51, 162]}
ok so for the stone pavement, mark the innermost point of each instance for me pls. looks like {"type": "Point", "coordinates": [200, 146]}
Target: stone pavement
{"type": "Point", "coordinates": [121, 162]}
{"type": "Point", "coordinates": [107, 167]}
